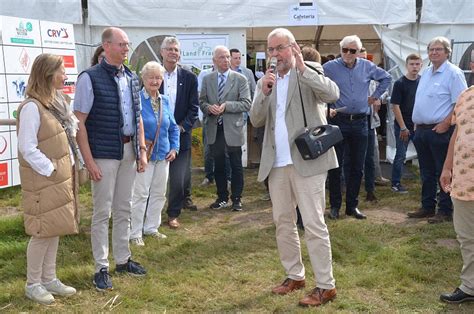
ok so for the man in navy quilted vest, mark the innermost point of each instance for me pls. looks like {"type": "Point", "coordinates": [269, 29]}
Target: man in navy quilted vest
{"type": "Point", "coordinates": [112, 144]}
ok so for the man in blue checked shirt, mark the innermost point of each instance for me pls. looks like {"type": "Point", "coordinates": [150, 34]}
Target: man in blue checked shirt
{"type": "Point", "coordinates": [352, 75]}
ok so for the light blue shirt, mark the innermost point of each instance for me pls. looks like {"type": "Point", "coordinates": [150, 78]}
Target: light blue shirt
{"type": "Point", "coordinates": [84, 99]}
{"type": "Point", "coordinates": [354, 83]}
{"type": "Point", "coordinates": [437, 93]}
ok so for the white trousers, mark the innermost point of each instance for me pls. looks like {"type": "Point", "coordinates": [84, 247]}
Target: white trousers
{"type": "Point", "coordinates": [113, 195]}
{"type": "Point", "coordinates": [41, 260]}
{"type": "Point", "coordinates": [463, 219]}
{"type": "Point", "coordinates": [150, 186]}
{"type": "Point", "coordinates": [287, 189]}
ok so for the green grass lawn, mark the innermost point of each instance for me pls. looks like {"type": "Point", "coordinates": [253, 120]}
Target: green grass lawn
{"type": "Point", "coordinates": [221, 261]}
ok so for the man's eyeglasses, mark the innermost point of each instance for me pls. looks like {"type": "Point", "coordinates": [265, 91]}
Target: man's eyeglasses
{"type": "Point", "coordinates": [122, 45]}
{"type": "Point", "coordinates": [346, 50]}
{"type": "Point", "coordinates": [279, 48]}
{"type": "Point", "coordinates": [437, 49]}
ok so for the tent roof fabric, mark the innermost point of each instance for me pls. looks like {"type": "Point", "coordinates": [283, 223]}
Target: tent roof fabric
{"type": "Point", "coordinates": [243, 13]}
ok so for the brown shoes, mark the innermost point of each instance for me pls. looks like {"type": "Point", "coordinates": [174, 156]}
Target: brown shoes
{"type": "Point", "coordinates": [318, 297]}
{"type": "Point", "coordinates": [173, 223]}
{"type": "Point", "coordinates": [288, 286]}
{"type": "Point", "coordinates": [421, 213]}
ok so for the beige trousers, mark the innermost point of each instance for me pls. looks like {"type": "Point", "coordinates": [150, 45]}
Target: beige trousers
{"type": "Point", "coordinates": [112, 195]}
{"type": "Point", "coordinates": [41, 260]}
{"type": "Point", "coordinates": [287, 189]}
{"type": "Point", "coordinates": [463, 219]}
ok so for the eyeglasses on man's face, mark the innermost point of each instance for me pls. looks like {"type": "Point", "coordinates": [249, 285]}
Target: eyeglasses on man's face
{"type": "Point", "coordinates": [437, 49]}
{"type": "Point", "coordinates": [122, 45]}
{"type": "Point", "coordinates": [278, 48]}
{"type": "Point", "coordinates": [352, 51]}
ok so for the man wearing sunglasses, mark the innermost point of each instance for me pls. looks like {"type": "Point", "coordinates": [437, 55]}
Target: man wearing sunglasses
{"type": "Point", "coordinates": [352, 75]}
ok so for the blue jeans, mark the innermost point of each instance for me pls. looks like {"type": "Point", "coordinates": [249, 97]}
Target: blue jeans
{"type": "Point", "coordinates": [400, 155]}
{"type": "Point", "coordinates": [432, 148]}
{"type": "Point", "coordinates": [355, 135]}
{"type": "Point", "coordinates": [222, 152]}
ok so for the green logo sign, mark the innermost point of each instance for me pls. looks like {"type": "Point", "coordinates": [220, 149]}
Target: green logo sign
{"type": "Point", "coordinates": [29, 26]}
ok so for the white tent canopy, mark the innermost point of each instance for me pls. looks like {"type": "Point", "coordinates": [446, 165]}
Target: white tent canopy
{"type": "Point", "coordinates": [243, 13]}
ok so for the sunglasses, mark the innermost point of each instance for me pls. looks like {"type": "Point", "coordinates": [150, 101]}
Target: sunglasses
{"type": "Point", "coordinates": [346, 50]}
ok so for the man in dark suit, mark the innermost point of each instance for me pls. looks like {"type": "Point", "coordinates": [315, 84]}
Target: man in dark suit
{"type": "Point", "coordinates": [224, 97]}
{"type": "Point", "coordinates": [180, 85]}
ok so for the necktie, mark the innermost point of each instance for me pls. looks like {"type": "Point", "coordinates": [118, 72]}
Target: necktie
{"type": "Point", "coordinates": [220, 87]}
{"type": "Point", "coordinates": [220, 91]}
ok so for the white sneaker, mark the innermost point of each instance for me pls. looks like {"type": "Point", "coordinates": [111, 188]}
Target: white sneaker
{"type": "Point", "coordinates": [157, 235]}
{"type": "Point", "coordinates": [58, 288]}
{"type": "Point", "coordinates": [137, 242]}
{"type": "Point", "coordinates": [205, 182]}
{"type": "Point", "coordinates": [38, 293]}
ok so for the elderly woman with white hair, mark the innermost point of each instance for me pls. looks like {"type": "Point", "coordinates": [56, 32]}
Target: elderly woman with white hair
{"type": "Point", "coordinates": [162, 142]}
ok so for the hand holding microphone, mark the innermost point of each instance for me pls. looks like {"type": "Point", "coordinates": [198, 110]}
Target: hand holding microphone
{"type": "Point", "coordinates": [270, 77]}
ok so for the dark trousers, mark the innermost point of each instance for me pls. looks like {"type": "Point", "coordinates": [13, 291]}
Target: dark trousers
{"type": "Point", "coordinates": [209, 160]}
{"type": "Point", "coordinates": [219, 149]}
{"type": "Point", "coordinates": [369, 167]}
{"type": "Point", "coordinates": [354, 147]}
{"type": "Point", "coordinates": [432, 149]}
{"type": "Point", "coordinates": [179, 170]}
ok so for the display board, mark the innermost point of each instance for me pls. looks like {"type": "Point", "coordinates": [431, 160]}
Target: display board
{"type": "Point", "coordinates": [21, 41]}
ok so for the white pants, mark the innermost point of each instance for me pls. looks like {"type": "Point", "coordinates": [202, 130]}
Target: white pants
{"type": "Point", "coordinates": [287, 189]}
{"type": "Point", "coordinates": [463, 219]}
{"type": "Point", "coordinates": [113, 194]}
{"type": "Point", "coordinates": [41, 260]}
{"type": "Point", "coordinates": [149, 186]}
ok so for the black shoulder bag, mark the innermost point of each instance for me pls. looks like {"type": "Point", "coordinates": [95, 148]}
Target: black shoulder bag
{"type": "Point", "coordinates": [315, 141]}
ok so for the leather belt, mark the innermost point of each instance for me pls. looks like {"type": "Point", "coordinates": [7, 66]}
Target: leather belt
{"type": "Point", "coordinates": [426, 126]}
{"type": "Point", "coordinates": [126, 139]}
{"type": "Point", "coordinates": [351, 117]}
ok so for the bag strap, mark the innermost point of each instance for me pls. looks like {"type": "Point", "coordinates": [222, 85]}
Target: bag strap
{"type": "Point", "coordinates": [157, 134]}
{"type": "Point", "coordinates": [301, 98]}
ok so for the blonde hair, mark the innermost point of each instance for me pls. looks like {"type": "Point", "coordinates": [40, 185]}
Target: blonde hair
{"type": "Point", "coordinates": [40, 84]}
{"type": "Point", "coordinates": [152, 66]}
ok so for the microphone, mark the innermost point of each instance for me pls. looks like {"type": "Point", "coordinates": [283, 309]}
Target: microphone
{"type": "Point", "coordinates": [272, 66]}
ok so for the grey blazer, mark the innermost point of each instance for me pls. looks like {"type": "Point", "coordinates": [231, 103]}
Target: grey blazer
{"type": "Point", "coordinates": [250, 79]}
{"type": "Point", "coordinates": [237, 99]}
{"type": "Point", "coordinates": [316, 89]}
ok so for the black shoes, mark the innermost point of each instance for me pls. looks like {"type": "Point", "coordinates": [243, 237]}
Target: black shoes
{"type": "Point", "coordinates": [356, 213]}
{"type": "Point", "coordinates": [371, 197]}
{"type": "Point", "coordinates": [334, 214]}
{"type": "Point", "coordinates": [237, 206]}
{"type": "Point", "coordinates": [188, 204]}
{"type": "Point", "coordinates": [458, 296]}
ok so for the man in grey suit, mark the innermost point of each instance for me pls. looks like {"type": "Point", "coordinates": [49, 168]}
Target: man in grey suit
{"type": "Point", "coordinates": [224, 97]}
{"type": "Point", "coordinates": [235, 60]}
{"type": "Point", "coordinates": [292, 180]}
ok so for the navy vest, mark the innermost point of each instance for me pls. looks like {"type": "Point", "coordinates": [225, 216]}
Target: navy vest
{"type": "Point", "coordinates": [104, 122]}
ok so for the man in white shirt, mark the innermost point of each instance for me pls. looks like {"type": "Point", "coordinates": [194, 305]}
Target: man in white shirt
{"type": "Point", "coordinates": [181, 86]}
{"type": "Point", "coordinates": [292, 180]}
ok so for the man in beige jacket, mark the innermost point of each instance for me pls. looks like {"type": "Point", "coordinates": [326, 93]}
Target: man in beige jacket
{"type": "Point", "coordinates": [292, 180]}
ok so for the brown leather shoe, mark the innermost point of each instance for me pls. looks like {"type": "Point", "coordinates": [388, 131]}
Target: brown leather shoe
{"type": "Point", "coordinates": [439, 218]}
{"type": "Point", "coordinates": [318, 297]}
{"type": "Point", "coordinates": [173, 223]}
{"type": "Point", "coordinates": [288, 286]}
{"type": "Point", "coordinates": [421, 213]}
